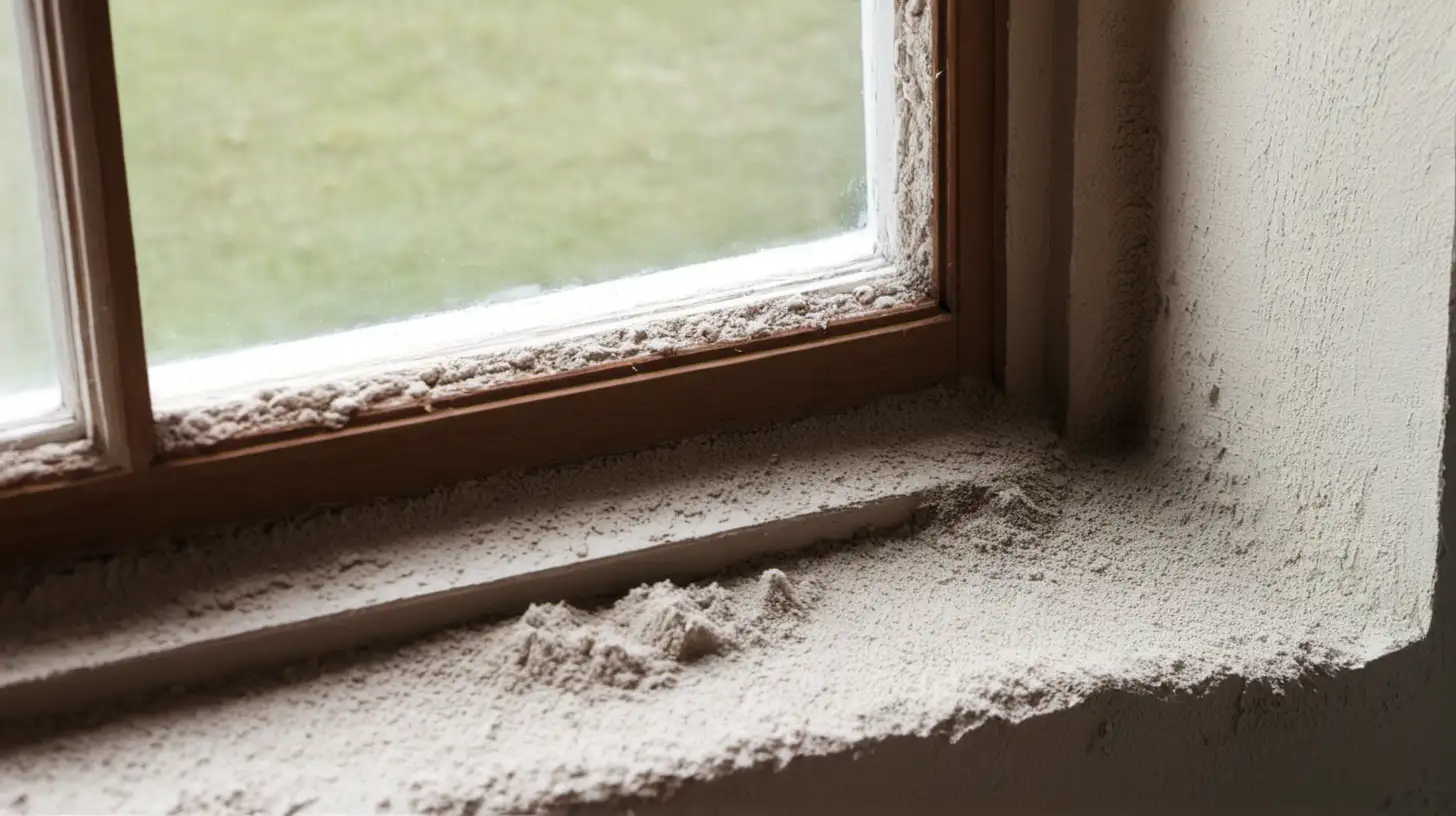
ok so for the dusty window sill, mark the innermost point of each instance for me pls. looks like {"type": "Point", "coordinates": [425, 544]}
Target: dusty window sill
{"type": "Point", "coordinates": [1025, 581]}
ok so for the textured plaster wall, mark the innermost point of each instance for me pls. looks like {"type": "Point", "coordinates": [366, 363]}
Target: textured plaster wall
{"type": "Point", "coordinates": [1304, 225]}
{"type": "Point", "coordinates": [1239, 219]}
{"type": "Point", "coordinates": [1257, 249]}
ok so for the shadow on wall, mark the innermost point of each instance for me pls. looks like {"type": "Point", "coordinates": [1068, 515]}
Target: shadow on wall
{"type": "Point", "coordinates": [1085, 174]}
{"type": "Point", "coordinates": [1371, 740]}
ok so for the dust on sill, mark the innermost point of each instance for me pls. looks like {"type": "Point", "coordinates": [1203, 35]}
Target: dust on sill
{"type": "Point", "coordinates": [1041, 577]}
{"type": "Point", "coordinates": [25, 465]}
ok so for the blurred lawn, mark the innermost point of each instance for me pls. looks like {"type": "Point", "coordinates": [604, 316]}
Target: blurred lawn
{"type": "Point", "coordinates": [25, 329]}
{"type": "Point", "coordinates": [301, 166]}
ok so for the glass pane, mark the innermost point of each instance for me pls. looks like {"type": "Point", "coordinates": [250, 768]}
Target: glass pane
{"type": "Point", "coordinates": [27, 340]}
{"type": "Point", "coordinates": [298, 167]}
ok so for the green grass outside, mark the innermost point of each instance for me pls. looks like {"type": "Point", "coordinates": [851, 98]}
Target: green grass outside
{"type": "Point", "coordinates": [303, 166]}
{"type": "Point", "coordinates": [26, 359]}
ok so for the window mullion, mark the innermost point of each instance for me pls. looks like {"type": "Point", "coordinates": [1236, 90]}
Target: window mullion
{"type": "Point", "coordinates": [93, 258]}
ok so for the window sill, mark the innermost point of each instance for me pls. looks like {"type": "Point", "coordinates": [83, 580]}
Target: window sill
{"type": "Point", "coordinates": [1037, 579]}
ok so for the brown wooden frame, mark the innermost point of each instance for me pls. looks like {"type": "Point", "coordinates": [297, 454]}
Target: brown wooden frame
{"type": "Point", "coordinates": [537, 422]}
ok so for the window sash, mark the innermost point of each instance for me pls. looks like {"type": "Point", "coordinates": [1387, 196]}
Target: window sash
{"type": "Point", "coordinates": [616, 408]}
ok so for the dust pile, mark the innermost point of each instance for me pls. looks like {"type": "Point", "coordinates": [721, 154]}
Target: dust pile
{"type": "Point", "coordinates": [1025, 586]}
{"type": "Point", "coordinates": [643, 640]}
{"type": "Point", "coordinates": [333, 405]}
{"type": "Point", "coordinates": [20, 466]}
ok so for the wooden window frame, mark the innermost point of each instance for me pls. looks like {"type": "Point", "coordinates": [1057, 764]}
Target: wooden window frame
{"type": "Point", "coordinates": [631, 405]}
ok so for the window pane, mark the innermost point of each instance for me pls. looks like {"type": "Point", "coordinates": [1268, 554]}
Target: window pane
{"type": "Point", "coordinates": [298, 168]}
{"type": "Point", "coordinates": [27, 339]}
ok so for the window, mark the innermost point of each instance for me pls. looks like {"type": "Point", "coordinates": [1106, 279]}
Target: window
{"type": "Point", "coordinates": [30, 379]}
{"type": "Point", "coordinates": [262, 256]}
